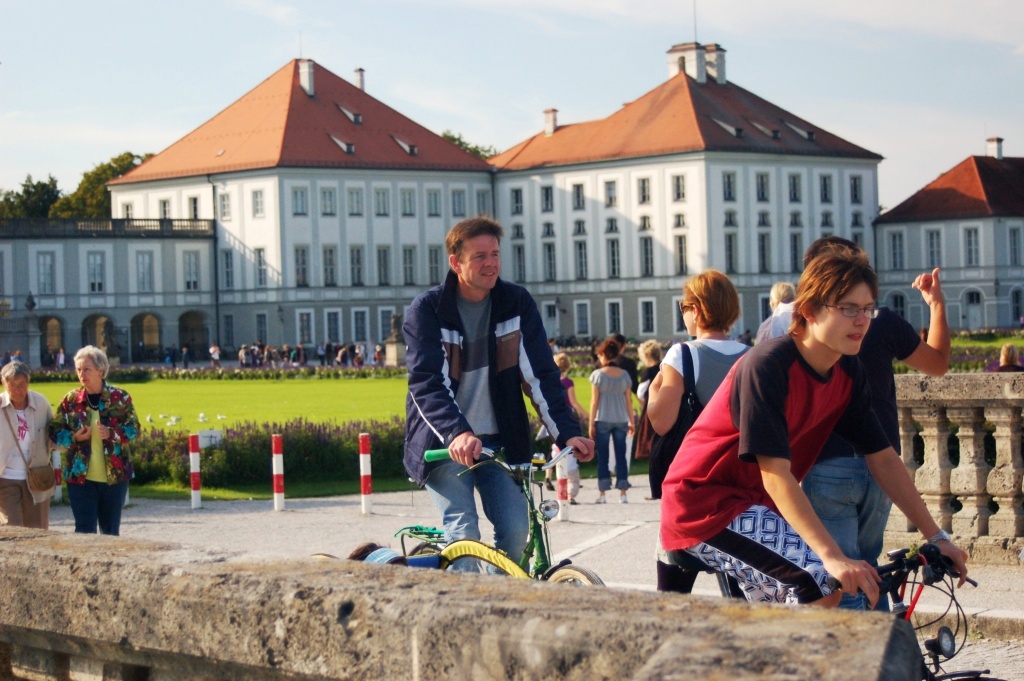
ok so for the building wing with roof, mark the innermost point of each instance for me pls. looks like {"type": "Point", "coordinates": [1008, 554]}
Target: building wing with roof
{"type": "Point", "coordinates": [969, 222]}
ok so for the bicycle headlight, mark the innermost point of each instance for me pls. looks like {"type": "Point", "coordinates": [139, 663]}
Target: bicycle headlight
{"type": "Point", "coordinates": [549, 508]}
{"type": "Point", "coordinates": [943, 644]}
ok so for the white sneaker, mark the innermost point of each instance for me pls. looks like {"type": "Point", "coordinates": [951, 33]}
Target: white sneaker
{"type": "Point", "coordinates": [623, 499]}
{"type": "Point", "coordinates": [600, 500]}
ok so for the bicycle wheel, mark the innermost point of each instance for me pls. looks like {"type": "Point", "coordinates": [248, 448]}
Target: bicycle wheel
{"type": "Point", "coordinates": [575, 575]}
{"type": "Point", "coordinates": [464, 549]}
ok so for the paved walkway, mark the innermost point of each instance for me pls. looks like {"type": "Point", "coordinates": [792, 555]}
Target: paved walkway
{"type": "Point", "coordinates": [617, 541]}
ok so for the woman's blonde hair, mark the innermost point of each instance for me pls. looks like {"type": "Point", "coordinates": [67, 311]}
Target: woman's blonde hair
{"type": "Point", "coordinates": [650, 349]}
{"type": "Point", "coordinates": [563, 362]}
{"type": "Point", "coordinates": [1008, 355]}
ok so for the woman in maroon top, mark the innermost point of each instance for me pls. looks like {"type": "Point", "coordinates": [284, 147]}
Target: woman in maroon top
{"type": "Point", "coordinates": [734, 500]}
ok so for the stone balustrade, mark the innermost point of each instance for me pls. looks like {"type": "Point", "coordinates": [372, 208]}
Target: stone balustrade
{"type": "Point", "coordinates": [976, 501]}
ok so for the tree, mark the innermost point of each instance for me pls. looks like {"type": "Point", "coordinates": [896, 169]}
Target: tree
{"type": "Point", "coordinates": [475, 149]}
{"type": "Point", "coordinates": [91, 199]}
{"type": "Point", "coordinates": [33, 201]}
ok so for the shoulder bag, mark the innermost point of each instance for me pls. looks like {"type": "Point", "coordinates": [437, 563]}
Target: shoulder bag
{"type": "Point", "coordinates": [40, 478]}
{"type": "Point", "coordinates": [665, 447]}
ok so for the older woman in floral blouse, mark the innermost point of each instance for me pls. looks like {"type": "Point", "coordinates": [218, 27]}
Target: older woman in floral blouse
{"type": "Point", "coordinates": [94, 424]}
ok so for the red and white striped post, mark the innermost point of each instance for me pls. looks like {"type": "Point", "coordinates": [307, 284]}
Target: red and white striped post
{"type": "Point", "coordinates": [193, 466]}
{"type": "Point", "coordinates": [277, 457]}
{"type": "Point", "coordinates": [58, 475]}
{"type": "Point", "coordinates": [365, 477]}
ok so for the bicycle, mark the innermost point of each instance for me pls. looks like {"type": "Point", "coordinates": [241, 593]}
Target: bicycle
{"type": "Point", "coordinates": [536, 562]}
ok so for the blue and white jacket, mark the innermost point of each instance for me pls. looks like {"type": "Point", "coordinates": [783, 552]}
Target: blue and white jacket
{"type": "Point", "coordinates": [520, 362]}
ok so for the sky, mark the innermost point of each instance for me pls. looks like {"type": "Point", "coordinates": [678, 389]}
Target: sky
{"type": "Point", "coordinates": [922, 82]}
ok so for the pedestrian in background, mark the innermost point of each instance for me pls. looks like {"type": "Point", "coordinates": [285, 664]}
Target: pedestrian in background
{"type": "Point", "coordinates": [1009, 359]}
{"type": "Point", "coordinates": [24, 444]}
{"type": "Point", "coordinates": [650, 355]}
{"type": "Point", "coordinates": [611, 418]}
{"type": "Point", "coordinates": [94, 425]}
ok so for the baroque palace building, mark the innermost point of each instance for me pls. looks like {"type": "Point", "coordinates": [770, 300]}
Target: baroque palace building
{"type": "Point", "coordinates": [309, 211]}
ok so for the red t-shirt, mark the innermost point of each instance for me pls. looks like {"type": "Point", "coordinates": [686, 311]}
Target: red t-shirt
{"type": "Point", "coordinates": [771, 403]}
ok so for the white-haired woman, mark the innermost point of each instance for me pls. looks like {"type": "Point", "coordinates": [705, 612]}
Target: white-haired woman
{"type": "Point", "coordinates": [94, 424]}
{"type": "Point", "coordinates": [23, 445]}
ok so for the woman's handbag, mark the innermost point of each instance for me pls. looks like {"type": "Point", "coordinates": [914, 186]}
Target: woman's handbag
{"type": "Point", "coordinates": [41, 478]}
{"type": "Point", "coordinates": [664, 447]}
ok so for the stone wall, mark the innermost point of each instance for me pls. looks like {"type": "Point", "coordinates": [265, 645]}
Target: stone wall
{"type": "Point", "coordinates": [91, 607]}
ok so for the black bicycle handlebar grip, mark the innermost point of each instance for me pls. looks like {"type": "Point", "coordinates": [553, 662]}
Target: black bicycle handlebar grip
{"type": "Point", "coordinates": [833, 583]}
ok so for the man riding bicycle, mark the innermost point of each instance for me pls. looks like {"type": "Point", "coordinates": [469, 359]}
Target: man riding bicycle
{"type": "Point", "coordinates": [475, 345]}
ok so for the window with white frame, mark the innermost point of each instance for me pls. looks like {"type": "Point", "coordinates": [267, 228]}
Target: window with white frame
{"type": "Point", "coordinates": [227, 261]}
{"type": "Point", "coordinates": [730, 218]}
{"type": "Point", "coordinates": [646, 316]}
{"type": "Point", "coordinates": [678, 187]}
{"type": "Point", "coordinates": [579, 228]}
{"type": "Point", "coordinates": [795, 189]}
{"type": "Point", "coordinates": [610, 193]}
{"type": "Point", "coordinates": [144, 271]}
{"type": "Point", "coordinates": [582, 319]}
{"type": "Point", "coordinates": [408, 198]}
{"type": "Point", "coordinates": [383, 265]}
{"type": "Point", "coordinates": [384, 323]}
{"type": "Point", "coordinates": [547, 199]}
{"type": "Point", "coordinates": [898, 304]}
{"type": "Point", "coordinates": [328, 201]}
{"type": "Point", "coordinates": [646, 256]}
{"type": "Point", "coordinates": [433, 203]}
{"type": "Point", "coordinates": [127, 211]}
{"type": "Point", "coordinates": [858, 237]}
{"type": "Point", "coordinates": [550, 271]}
{"type": "Point", "coordinates": [261, 327]}
{"type": "Point", "coordinates": [516, 201]}
{"type": "Point", "coordinates": [731, 241]}
{"type": "Point", "coordinates": [381, 202]}
{"type": "Point", "coordinates": [193, 207]}
{"type": "Point", "coordinates": [519, 263]}
{"type": "Point", "coordinates": [483, 202]}
{"type": "Point", "coordinates": [260, 257]}
{"type": "Point", "coordinates": [679, 220]}
{"type": "Point", "coordinates": [228, 330]}
{"type": "Point", "coordinates": [826, 219]}
{"type": "Point", "coordinates": [355, 201]}
{"type": "Point", "coordinates": [613, 259]}
{"type": "Point", "coordinates": [459, 203]}
{"type": "Point", "coordinates": [796, 252]}
{"type": "Point", "coordinates": [897, 260]}
{"type": "Point", "coordinates": [972, 247]}
{"type": "Point", "coordinates": [857, 219]}
{"type": "Point", "coordinates": [330, 264]}
{"type": "Point", "coordinates": [548, 229]}
{"type": "Point", "coordinates": [305, 328]}
{"type": "Point", "coordinates": [96, 268]}
{"type": "Point", "coordinates": [645, 223]}
{"type": "Point", "coordinates": [300, 201]}
{"type": "Point", "coordinates": [825, 185]}
{"type": "Point", "coordinates": [855, 189]}
{"type": "Point", "coordinates": [355, 264]}
{"type": "Point", "coordinates": [764, 252]}
{"type": "Point", "coordinates": [517, 230]}
{"type": "Point", "coordinates": [681, 260]}
{"type": "Point", "coordinates": [333, 325]}
{"type": "Point", "coordinates": [795, 220]}
{"type": "Point", "coordinates": [933, 239]}
{"type": "Point", "coordinates": [643, 190]}
{"type": "Point", "coordinates": [191, 269]}
{"type": "Point", "coordinates": [257, 203]}
{"type": "Point", "coordinates": [578, 200]}
{"type": "Point", "coordinates": [225, 206]}
{"type": "Point", "coordinates": [763, 219]}
{"type": "Point", "coordinates": [611, 225]}
{"type": "Point", "coordinates": [613, 309]}
{"type": "Point", "coordinates": [761, 186]}
{"type": "Point", "coordinates": [302, 266]}
{"type": "Point", "coordinates": [165, 209]}
{"type": "Point", "coordinates": [1014, 239]}
{"type": "Point", "coordinates": [434, 264]}
{"type": "Point", "coordinates": [360, 325]}
{"type": "Point", "coordinates": [581, 259]}
{"type": "Point", "coordinates": [729, 186]}
{"type": "Point", "coordinates": [408, 265]}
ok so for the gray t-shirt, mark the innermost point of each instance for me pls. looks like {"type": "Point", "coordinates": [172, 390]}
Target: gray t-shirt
{"type": "Point", "coordinates": [474, 394]}
{"type": "Point", "coordinates": [611, 405]}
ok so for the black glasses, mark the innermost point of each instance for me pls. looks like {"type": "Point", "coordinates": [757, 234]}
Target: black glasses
{"type": "Point", "coordinates": [852, 311]}
{"type": "Point", "coordinates": [683, 307]}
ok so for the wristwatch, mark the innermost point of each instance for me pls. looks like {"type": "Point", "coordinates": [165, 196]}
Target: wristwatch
{"type": "Point", "coordinates": [941, 535]}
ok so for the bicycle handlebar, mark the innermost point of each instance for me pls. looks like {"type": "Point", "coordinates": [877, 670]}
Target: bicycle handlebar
{"type": "Point", "coordinates": [441, 454]}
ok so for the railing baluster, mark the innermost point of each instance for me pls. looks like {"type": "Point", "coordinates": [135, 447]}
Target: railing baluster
{"type": "Point", "coordinates": [932, 478]}
{"type": "Point", "coordinates": [1004, 481]}
{"type": "Point", "coordinates": [967, 480]}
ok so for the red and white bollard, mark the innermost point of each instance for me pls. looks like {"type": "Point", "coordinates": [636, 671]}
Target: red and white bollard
{"type": "Point", "coordinates": [277, 457]}
{"type": "Point", "coordinates": [365, 477]}
{"type": "Point", "coordinates": [58, 476]}
{"type": "Point", "coordinates": [193, 466]}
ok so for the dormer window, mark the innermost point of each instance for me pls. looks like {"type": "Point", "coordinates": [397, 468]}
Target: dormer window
{"type": "Point", "coordinates": [356, 118]}
{"type": "Point", "coordinates": [406, 146]}
{"type": "Point", "coordinates": [347, 147]}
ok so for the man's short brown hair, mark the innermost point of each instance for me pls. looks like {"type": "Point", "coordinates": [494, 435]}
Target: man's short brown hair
{"type": "Point", "coordinates": [468, 229]}
{"type": "Point", "coordinates": [715, 295]}
{"type": "Point", "coordinates": [828, 278]}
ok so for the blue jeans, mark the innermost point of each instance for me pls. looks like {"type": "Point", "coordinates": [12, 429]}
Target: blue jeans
{"type": "Point", "coordinates": [97, 503]}
{"type": "Point", "coordinates": [503, 501]}
{"type": "Point", "coordinates": [854, 510]}
{"type": "Point", "coordinates": [617, 431]}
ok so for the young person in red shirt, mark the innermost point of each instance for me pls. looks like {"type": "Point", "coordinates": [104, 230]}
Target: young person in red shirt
{"type": "Point", "coordinates": [732, 497]}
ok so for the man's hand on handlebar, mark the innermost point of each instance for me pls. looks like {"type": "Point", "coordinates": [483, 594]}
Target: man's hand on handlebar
{"type": "Point", "coordinates": [855, 575]}
{"type": "Point", "coordinates": [957, 555]}
{"type": "Point", "coordinates": [583, 448]}
{"type": "Point", "coordinates": [465, 448]}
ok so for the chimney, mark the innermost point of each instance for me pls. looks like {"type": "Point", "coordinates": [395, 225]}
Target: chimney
{"type": "Point", "coordinates": [360, 79]}
{"type": "Point", "coordinates": [550, 121]}
{"type": "Point", "coordinates": [715, 60]}
{"type": "Point", "coordinates": [995, 147]}
{"type": "Point", "coordinates": [688, 57]}
{"type": "Point", "coordinates": [306, 76]}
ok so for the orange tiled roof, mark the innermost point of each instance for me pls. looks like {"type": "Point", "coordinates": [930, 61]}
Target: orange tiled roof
{"type": "Point", "coordinates": [277, 124]}
{"type": "Point", "coordinates": [979, 186]}
{"type": "Point", "coordinates": [680, 115]}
